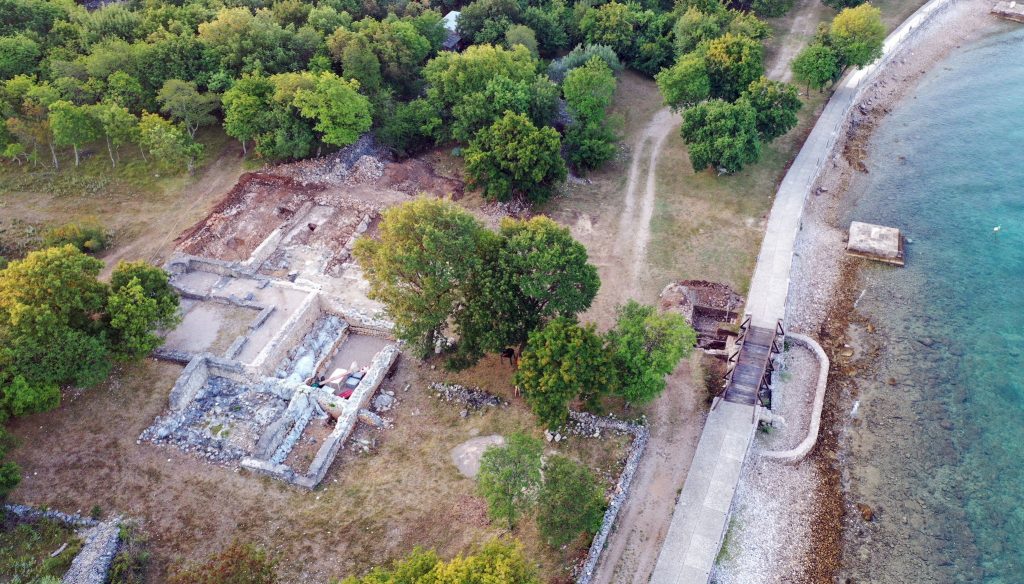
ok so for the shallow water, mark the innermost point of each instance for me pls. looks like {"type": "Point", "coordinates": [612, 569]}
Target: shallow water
{"type": "Point", "coordinates": [938, 447]}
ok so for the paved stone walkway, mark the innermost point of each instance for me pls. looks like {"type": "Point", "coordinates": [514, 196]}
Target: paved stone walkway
{"type": "Point", "coordinates": [701, 516]}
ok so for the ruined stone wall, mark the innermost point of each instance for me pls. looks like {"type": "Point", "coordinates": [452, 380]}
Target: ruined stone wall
{"type": "Point", "coordinates": [589, 424]}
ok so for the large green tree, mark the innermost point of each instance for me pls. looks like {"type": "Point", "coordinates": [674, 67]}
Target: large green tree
{"type": "Point", "coordinates": [184, 103]}
{"type": "Point", "coordinates": [858, 35]}
{"type": "Point", "coordinates": [513, 158]}
{"type": "Point", "coordinates": [816, 66]}
{"type": "Point", "coordinates": [686, 83]}
{"type": "Point", "coordinates": [570, 502]}
{"type": "Point", "coordinates": [722, 135]}
{"type": "Point", "coordinates": [561, 362]}
{"type": "Point", "coordinates": [733, 63]}
{"type": "Point", "coordinates": [342, 114]}
{"type": "Point", "coordinates": [19, 55]}
{"type": "Point", "coordinates": [509, 477]}
{"type": "Point", "coordinates": [72, 125]}
{"type": "Point", "coordinates": [118, 125]}
{"type": "Point", "coordinates": [51, 330]}
{"type": "Point", "coordinates": [419, 266]}
{"type": "Point", "coordinates": [647, 346]}
{"type": "Point", "coordinates": [776, 104]}
{"type": "Point", "coordinates": [141, 301]}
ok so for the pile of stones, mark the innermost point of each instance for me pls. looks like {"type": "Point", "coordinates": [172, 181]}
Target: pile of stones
{"type": "Point", "coordinates": [473, 398]}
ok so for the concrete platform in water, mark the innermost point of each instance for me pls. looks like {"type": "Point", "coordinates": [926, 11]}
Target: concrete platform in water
{"type": "Point", "coordinates": [1010, 10]}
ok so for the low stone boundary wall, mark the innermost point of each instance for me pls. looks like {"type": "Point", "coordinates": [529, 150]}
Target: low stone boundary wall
{"type": "Point", "coordinates": [636, 451]}
{"type": "Point", "coordinates": [92, 564]}
{"type": "Point", "coordinates": [101, 542]}
{"type": "Point", "coordinates": [807, 444]}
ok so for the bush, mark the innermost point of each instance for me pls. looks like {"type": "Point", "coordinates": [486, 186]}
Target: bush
{"type": "Point", "coordinates": [570, 502]}
{"type": "Point", "coordinates": [129, 565]}
{"type": "Point", "coordinates": [87, 237]}
{"type": "Point", "coordinates": [580, 56]}
{"type": "Point", "coordinates": [237, 564]}
{"type": "Point", "coordinates": [496, 562]}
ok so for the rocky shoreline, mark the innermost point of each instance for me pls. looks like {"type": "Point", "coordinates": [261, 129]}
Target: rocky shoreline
{"type": "Point", "coordinates": [815, 514]}
{"type": "Point", "coordinates": [826, 284]}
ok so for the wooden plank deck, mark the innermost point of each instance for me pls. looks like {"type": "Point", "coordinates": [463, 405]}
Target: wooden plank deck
{"type": "Point", "coordinates": [755, 355]}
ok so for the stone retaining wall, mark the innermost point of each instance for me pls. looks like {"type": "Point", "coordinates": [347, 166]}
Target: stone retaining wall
{"type": "Point", "coordinates": [636, 451]}
{"type": "Point", "coordinates": [100, 542]}
{"type": "Point", "coordinates": [797, 454]}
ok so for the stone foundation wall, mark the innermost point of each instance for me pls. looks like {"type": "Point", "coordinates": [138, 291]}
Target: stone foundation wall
{"type": "Point", "coordinates": [583, 423]}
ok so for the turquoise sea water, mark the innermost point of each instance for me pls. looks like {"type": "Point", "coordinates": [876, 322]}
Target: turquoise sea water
{"type": "Point", "coordinates": [938, 450]}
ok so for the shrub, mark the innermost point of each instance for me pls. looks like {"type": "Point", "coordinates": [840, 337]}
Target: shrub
{"type": "Point", "coordinates": [570, 502]}
{"type": "Point", "coordinates": [87, 237]}
{"type": "Point", "coordinates": [237, 564]}
{"type": "Point", "coordinates": [580, 56]}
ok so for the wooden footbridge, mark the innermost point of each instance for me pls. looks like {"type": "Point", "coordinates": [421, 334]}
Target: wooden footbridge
{"type": "Point", "coordinates": [749, 377]}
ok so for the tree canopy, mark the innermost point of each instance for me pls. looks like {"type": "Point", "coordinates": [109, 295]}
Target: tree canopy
{"type": "Point", "coordinates": [722, 135]}
{"type": "Point", "coordinates": [858, 35]}
{"type": "Point", "coordinates": [496, 561]}
{"type": "Point", "coordinates": [775, 104]}
{"type": "Point", "coordinates": [570, 502]}
{"type": "Point", "coordinates": [513, 157]}
{"type": "Point", "coordinates": [561, 362]}
{"type": "Point", "coordinates": [647, 346]}
{"type": "Point", "coordinates": [509, 477]}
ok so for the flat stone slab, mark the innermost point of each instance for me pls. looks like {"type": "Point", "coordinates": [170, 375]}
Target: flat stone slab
{"type": "Point", "coordinates": [466, 456]}
{"type": "Point", "coordinates": [876, 242]}
{"type": "Point", "coordinates": [1012, 10]}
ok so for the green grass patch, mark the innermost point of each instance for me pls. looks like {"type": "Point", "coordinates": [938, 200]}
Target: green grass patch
{"type": "Point", "coordinates": [26, 548]}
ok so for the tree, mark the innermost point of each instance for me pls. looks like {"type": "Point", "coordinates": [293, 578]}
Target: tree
{"type": "Point", "coordinates": [341, 113]}
{"type": "Point", "coordinates": [237, 564]}
{"type": "Point", "coordinates": [486, 21]}
{"type": "Point", "coordinates": [696, 26]}
{"type": "Point", "coordinates": [427, 251]}
{"type": "Point", "coordinates": [590, 145]}
{"type": "Point", "coordinates": [612, 24]}
{"type": "Point", "coordinates": [686, 83]}
{"type": "Point", "coordinates": [457, 78]}
{"type": "Point", "coordinates": [570, 502]}
{"type": "Point", "coordinates": [733, 63]}
{"type": "Point", "coordinates": [498, 562]}
{"type": "Point", "coordinates": [19, 55]}
{"type": "Point", "coordinates": [562, 362]}
{"type": "Point", "coordinates": [520, 34]}
{"type": "Point", "coordinates": [536, 98]}
{"type": "Point", "coordinates": [118, 125]}
{"type": "Point", "coordinates": [72, 125]}
{"type": "Point", "coordinates": [581, 55]}
{"type": "Point", "coordinates": [514, 158]}
{"type": "Point", "coordinates": [509, 477]}
{"type": "Point", "coordinates": [247, 108]}
{"type": "Point", "coordinates": [647, 346]}
{"type": "Point", "coordinates": [816, 65]}
{"type": "Point", "coordinates": [182, 102]}
{"type": "Point", "coordinates": [721, 134]}
{"type": "Point", "coordinates": [141, 301]}
{"type": "Point", "coordinates": [50, 330]}
{"type": "Point", "coordinates": [167, 142]}
{"type": "Point", "coordinates": [10, 474]}
{"type": "Point", "coordinates": [771, 8]}
{"type": "Point", "coordinates": [841, 4]}
{"type": "Point", "coordinates": [858, 35]}
{"type": "Point", "coordinates": [126, 91]}
{"type": "Point", "coordinates": [776, 104]}
{"type": "Point", "coordinates": [588, 91]}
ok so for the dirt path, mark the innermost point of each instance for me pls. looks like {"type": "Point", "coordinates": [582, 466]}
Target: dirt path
{"type": "Point", "coordinates": [193, 202]}
{"type": "Point", "coordinates": [635, 220]}
{"type": "Point", "coordinates": [804, 19]}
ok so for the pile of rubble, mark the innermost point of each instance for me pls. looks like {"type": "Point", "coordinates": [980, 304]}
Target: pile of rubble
{"type": "Point", "coordinates": [516, 209]}
{"type": "Point", "coordinates": [335, 169]}
{"type": "Point", "coordinates": [473, 398]}
{"type": "Point", "coordinates": [366, 170]}
{"type": "Point", "coordinates": [220, 423]}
